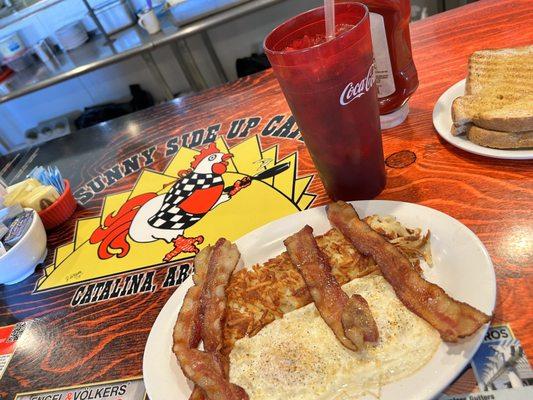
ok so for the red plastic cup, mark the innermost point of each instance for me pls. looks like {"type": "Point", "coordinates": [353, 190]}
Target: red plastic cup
{"type": "Point", "coordinates": [330, 88]}
{"type": "Point", "coordinates": [60, 210]}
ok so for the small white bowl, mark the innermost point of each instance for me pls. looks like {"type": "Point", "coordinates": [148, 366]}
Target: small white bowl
{"type": "Point", "coordinates": [20, 261]}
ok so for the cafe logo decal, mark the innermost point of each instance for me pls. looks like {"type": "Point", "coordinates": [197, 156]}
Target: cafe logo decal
{"type": "Point", "coordinates": [169, 216]}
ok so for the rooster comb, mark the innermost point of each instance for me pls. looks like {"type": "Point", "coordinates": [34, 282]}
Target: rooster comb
{"type": "Point", "coordinates": [205, 152]}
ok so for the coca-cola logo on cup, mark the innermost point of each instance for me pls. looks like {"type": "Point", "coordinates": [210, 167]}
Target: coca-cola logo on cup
{"type": "Point", "coordinates": [353, 91]}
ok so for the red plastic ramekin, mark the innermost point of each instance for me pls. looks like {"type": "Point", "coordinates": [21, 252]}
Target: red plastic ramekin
{"type": "Point", "coordinates": [60, 210]}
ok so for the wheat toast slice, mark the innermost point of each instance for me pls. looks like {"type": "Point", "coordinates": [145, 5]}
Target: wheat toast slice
{"type": "Point", "coordinates": [498, 92]}
{"type": "Point", "coordinates": [509, 71]}
{"type": "Point", "coordinates": [500, 140]}
{"type": "Point", "coordinates": [495, 111]}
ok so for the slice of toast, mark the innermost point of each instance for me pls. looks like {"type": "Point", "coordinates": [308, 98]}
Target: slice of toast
{"type": "Point", "coordinates": [508, 70]}
{"type": "Point", "coordinates": [498, 93]}
{"type": "Point", "coordinates": [500, 140]}
{"type": "Point", "coordinates": [495, 111]}
{"type": "Point", "coordinates": [460, 130]}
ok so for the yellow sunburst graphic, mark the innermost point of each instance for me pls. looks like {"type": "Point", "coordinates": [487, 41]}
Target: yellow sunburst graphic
{"type": "Point", "coordinates": [261, 202]}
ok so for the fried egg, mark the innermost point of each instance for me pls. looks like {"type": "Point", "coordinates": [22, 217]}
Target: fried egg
{"type": "Point", "coordinates": [298, 357]}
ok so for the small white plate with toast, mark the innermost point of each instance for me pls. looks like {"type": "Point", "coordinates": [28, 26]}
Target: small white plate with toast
{"type": "Point", "coordinates": [442, 120]}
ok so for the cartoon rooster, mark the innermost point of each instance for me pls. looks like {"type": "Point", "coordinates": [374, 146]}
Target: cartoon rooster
{"type": "Point", "coordinates": [150, 217]}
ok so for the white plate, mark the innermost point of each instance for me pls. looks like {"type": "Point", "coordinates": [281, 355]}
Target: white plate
{"type": "Point", "coordinates": [462, 267]}
{"type": "Point", "coordinates": [442, 120]}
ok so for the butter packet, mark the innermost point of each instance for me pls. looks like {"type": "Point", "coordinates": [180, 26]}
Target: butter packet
{"type": "Point", "coordinates": [17, 193]}
{"type": "Point", "coordinates": [41, 198]}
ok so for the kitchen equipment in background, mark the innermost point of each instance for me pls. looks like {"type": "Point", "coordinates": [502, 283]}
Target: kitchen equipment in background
{"type": "Point", "coordinates": [46, 54]}
{"type": "Point", "coordinates": [115, 15]}
{"type": "Point", "coordinates": [50, 129]}
{"type": "Point", "coordinates": [30, 250]}
{"type": "Point", "coordinates": [148, 21]}
{"type": "Point", "coordinates": [5, 9]}
{"type": "Point", "coordinates": [179, 9]}
{"type": "Point", "coordinates": [20, 62]}
{"type": "Point", "coordinates": [12, 46]}
{"type": "Point", "coordinates": [60, 210]}
{"type": "Point", "coordinates": [72, 35]}
{"type": "Point", "coordinates": [6, 79]}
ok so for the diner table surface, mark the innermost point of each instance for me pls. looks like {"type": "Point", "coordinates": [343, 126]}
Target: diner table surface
{"type": "Point", "coordinates": [66, 343]}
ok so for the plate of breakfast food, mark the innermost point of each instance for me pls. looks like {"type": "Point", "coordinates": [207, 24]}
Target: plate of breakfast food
{"type": "Point", "coordinates": [490, 113]}
{"type": "Point", "coordinates": [368, 299]}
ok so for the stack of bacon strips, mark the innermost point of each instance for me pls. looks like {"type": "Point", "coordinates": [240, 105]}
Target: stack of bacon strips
{"type": "Point", "coordinates": [453, 319]}
{"type": "Point", "coordinates": [200, 318]}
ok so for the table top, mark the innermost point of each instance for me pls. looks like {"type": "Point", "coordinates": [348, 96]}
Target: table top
{"type": "Point", "coordinates": [80, 335]}
{"type": "Point", "coordinates": [194, 17]}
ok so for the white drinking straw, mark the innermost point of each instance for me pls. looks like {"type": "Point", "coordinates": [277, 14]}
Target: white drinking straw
{"type": "Point", "coordinates": [329, 11]}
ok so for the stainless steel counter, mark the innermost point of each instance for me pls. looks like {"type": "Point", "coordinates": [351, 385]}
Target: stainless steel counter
{"type": "Point", "coordinates": [90, 56]}
{"type": "Point", "coordinates": [134, 41]}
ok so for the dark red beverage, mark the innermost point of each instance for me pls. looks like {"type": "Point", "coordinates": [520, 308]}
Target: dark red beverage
{"type": "Point", "coordinates": [330, 88]}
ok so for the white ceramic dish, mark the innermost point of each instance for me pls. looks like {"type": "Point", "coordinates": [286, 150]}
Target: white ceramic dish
{"type": "Point", "coordinates": [442, 120]}
{"type": "Point", "coordinates": [72, 35]}
{"type": "Point", "coordinates": [20, 261]}
{"type": "Point", "coordinates": [462, 267]}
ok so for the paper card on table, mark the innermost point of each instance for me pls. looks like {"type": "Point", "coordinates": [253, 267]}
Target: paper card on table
{"type": "Point", "coordinates": [124, 389]}
{"type": "Point", "coordinates": [501, 362]}
{"type": "Point", "coordinates": [9, 336]}
{"type": "Point", "coordinates": [499, 370]}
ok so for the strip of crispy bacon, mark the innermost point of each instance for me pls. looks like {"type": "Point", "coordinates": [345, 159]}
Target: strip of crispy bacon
{"type": "Point", "coordinates": [453, 319]}
{"type": "Point", "coordinates": [224, 258]}
{"type": "Point", "coordinates": [188, 328]}
{"type": "Point", "coordinates": [205, 369]}
{"type": "Point", "coordinates": [221, 265]}
{"type": "Point", "coordinates": [329, 298]}
{"type": "Point", "coordinates": [201, 262]}
{"type": "Point", "coordinates": [197, 394]}
{"type": "Point", "coordinates": [359, 325]}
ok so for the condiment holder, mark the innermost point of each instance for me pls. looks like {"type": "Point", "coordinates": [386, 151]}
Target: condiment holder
{"type": "Point", "coordinates": [60, 210]}
{"type": "Point", "coordinates": [20, 260]}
